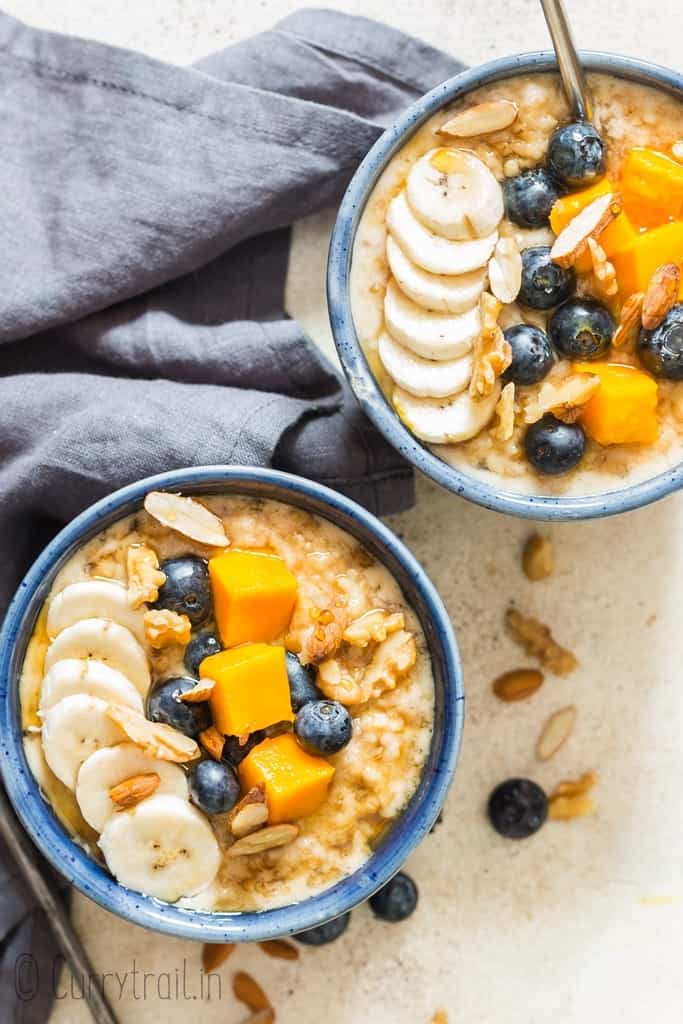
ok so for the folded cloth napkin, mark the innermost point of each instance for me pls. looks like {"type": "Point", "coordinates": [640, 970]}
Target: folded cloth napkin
{"type": "Point", "coordinates": [145, 217]}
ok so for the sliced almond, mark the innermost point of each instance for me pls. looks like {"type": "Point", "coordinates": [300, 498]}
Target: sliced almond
{"type": "Point", "coordinates": [660, 295]}
{"type": "Point", "coordinates": [677, 151]}
{"type": "Point", "coordinates": [505, 270]}
{"type": "Point", "coordinates": [188, 517]}
{"type": "Point", "coordinates": [201, 692]}
{"type": "Point", "coordinates": [603, 271]}
{"type": "Point", "coordinates": [213, 742]}
{"type": "Point", "coordinates": [265, 839]}
{"type": "Point", "coordinates": [537, 640]}
{"type": "Point", "coordinates": [518, 684]}
{"type": "Point", "coordinates": [279, 949]}
{"type": "Point", "coordinates": [538, 558]}
{"type": "Point", "coordinates": [249, 992]}
{"type": "Point", "coordinates": [505, 411]}
{"type": "Point", "coordinates": [250, 813]}
{"type": "Point", "coordinates": [214, 954]}
{"type": "Point", "coordinates": [572, 241]}
{"type": "Point", "coordinates": [131, 791]}
{"type": "Point", "coordinates": [629, 320]}
{"type": "Point", "coordinates": [491, 116]}
{"type": "Point", "coordinates": [155, 738]}
{"type": "Point", "coordinates": [556, 732]}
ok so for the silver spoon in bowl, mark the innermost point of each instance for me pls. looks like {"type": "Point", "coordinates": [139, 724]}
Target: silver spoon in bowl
{"type": "Point", "coordinates": [571, 72]}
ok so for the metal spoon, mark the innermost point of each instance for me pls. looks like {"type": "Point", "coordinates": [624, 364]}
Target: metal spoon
{"type": "Point", "coordinates": [568, 60]}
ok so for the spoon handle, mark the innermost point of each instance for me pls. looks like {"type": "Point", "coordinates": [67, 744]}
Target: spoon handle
{"type": "Point", "coordinates": [570, 68]}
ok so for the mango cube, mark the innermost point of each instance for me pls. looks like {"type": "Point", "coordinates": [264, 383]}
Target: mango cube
{"type": "Point", "coordinates": [251, 691]}
{"type": "Point", "coordinates": [624, 408]}
{"type": "Point", "coordinates": [253, 596]}
{"type": "Point", "coordinates": [616, 235]}
{"type": "Point", "coordinates": [296, 783]}
{"type": "Point", "coordinates": [652, 187]}
{"type": "Point", "coordinates": [636, 263]}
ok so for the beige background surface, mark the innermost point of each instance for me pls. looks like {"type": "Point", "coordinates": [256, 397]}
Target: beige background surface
{"type": "Point", "coordinates": [584, 923]}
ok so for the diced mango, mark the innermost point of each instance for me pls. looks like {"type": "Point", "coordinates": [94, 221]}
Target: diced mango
{"type": "Point", "coordinates": [652, 188]}
{"type": "Point", "coordinates": [624, 408]}
{"type": "Point", "coordinates": [616, 235]}
{"type": "Point", "coordinates": [636, 263]}
{"type": "Point", "coordinates": [253, 596]}
{"type": "Point", "coordinates": [295, 782]}
{"type": "Point", "coordinates": [251, 691]}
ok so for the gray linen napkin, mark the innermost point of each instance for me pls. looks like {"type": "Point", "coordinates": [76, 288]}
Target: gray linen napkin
{"type": "Point", "coordinates": [144, 211]}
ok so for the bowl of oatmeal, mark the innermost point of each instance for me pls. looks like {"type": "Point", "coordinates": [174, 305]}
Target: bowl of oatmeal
{"type": "Point", "coordinates": [231, 703]}
{"type": "Point", "coordinates": [504, 287]}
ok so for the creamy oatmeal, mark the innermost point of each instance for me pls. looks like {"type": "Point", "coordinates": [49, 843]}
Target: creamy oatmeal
{"type": "Point", "coordinates": [515, 284]}
{"type": "Point", "coordinates": [227, 700]}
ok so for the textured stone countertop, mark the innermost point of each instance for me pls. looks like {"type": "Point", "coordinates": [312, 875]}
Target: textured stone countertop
{"type": "Point", "coordinates": [584, 923]}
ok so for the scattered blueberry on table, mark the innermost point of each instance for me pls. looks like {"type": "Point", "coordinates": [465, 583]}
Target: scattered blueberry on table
{"type": "Point", "coordinates": [164, 705]}
{"type": "Point", "coordinates": [201, 646]}
{"type": "Point", "coordinates": [187, 589]}
{"type": "Point", "coordinates": [544, 283]}
{"type": "Point", "coordinates": [322, 934]}
{"type": "Point", "coordinates": [554, 447]}
{"type": "Point", "coordinates": [661, 350]}
{"type": "Point", "coordinates": [576, 154]}
{"type": "Point", "coordinates": [529, 197]}
{"type": "Point", "coordinates": [302, 688]}
{"type": "Point", "coordinates": [214, 787]}
{"type": "Point", "coordinates": [323, 727]}
{"type": "Point", "coordinates": [581, 329]}
{"type": "Point", "coordinates": [532, 354]}
{"type": "Point", "coordinates": [396, 900]}
{"type": "Point", "coordinates": [517, 808]}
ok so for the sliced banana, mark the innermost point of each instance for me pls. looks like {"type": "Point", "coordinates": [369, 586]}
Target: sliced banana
{"type": "Point", "coordinates": [112, 765]}
{"type": "Point", "coordinates": [454, 194]}
{"type": "Point", "coordinates": [163, 847]}
{"type": "Point", "coordinates": [423, 377]}
{"type": "Point", "coordinates": [430, 251]}
{"type": "Point", "coordinates": [431, 335]}
{"type": "Point", "coordinates": [91, 677]}
{"type": "Point", "coordinates": [434, 291]}
{"type": "Point", "coordinates": [106, 641]}
{"type": "Point", "coordinates": [445, 421]}
{"type": "Point", "coordinates": [93, 599]}
{"type": "Point", "coordinates": [74, 729]}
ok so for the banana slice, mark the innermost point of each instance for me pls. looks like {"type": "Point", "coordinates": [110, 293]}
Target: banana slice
{"type": "Point", "coordinates": [454, 194]}
{"type": "Point", "coordinates": [434, 291]}
{"type": "Point", "coordinates": [89, 676]}
{"type": "Point", "coordinates": [445, 421]}
{"type": "Point", "coordinates": [111, 765]}
{"type": "Point", "coordinates": [106, 641]}
{"type": "Point", "coordinates": [431, 252]}
{"type": "Point", "coordinates": [431, 335]}
{"type": "Point", "coordinates": [163, 847]}
{"type": "Point", "coordinates": [73, 730]}
{"type": "Point", "coordinates": [423, 377]}
{"type": "Point", "coordinates": [93, 599]}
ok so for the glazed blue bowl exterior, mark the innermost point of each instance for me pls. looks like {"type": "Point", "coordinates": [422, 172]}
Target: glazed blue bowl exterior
{"type": "Point", "coordinates": [367, 390]}
{"type": "Point", "coordinates": [92, 879]}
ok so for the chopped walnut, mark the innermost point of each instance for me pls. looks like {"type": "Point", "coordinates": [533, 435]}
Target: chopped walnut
{"type": "Point", "coordinates": [537, 640]}
{"type": "Point", "coordinates": [505, 411]}
{"type": "Point", "coordinates": [374, 626]}
{"type": "Point", "coordinates": [603, 271]}
{"type": "Point", "coordinates": [322, 638]}
{"type": "Point", "coordinates": [392, 660]}
{"type": "Point", "coordinates": [163, 628]}
{"type": "Point", "coordinates": [340, 682]}
{"type": "Point", "coordinates": [570, 798]}
{"type": "Point", "coordinates": [144, 575]}
{"type": "Point", "coordinates": [564, 399]}
{"type": "Point", "coordinates": [492, 353]}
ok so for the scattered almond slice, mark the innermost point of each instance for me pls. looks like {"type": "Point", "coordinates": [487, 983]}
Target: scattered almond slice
{"type": "Point", "coordinates": [492, 353]}
{"type": "Point", "coordinates": [505, 411]}
{"type": "Point", "coordinates": [538, 558]}
{"type": "Point", "coordinates": [155, 738]}
{"type": "Point", "coordinates": [201, 692]}
{"type": "Point", "coordinates": [505, 270]}
{"type": "Point", "coordinates": [144, 575]}
{"type": "Point", "coordinates": [538, 641]}
{"type": "Point", "coordinates": [518, 684]}
{"type": "Point", "coordinates": [570, 799]}
{"type": "Point", "coordinates": [213, 742]}
{"type": "Point", "coordinates": [248, 991]}
{"type": "Point", "coordinates": [563, 399]}
{"type": "Point", "coordinates": [250, 814]}
{"type": "Point", "coordinates": [629, 320]}
{"type": "Point", "coordinates": [660, 295]}
{"type": "Point", "coordinates": [188, 517]}
{"type": "Point", "coordinates": [555, 733]}
{"type": "Point", "coordinates": [603, 271]}
{"type": "Point", "coordinates": [131, 791]}
{"type": "Point", "coordinates": [279, 949]}
{"type": "Point", "coordinates": [265, 839]}
{"type": "Point", "coordinates": [164, 627]}
{"type": "Point", "coordinates": [214, 955]}
{"type": "Point", "coordinates": [572, 241]}
{"type": "Point", "coordinates": [491, 116]}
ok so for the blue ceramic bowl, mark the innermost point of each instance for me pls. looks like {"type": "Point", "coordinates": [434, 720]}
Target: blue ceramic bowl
{"type": "Point", "coordinates": [359, 374]}
{"type": "Point", "coordinates": [88, 876]}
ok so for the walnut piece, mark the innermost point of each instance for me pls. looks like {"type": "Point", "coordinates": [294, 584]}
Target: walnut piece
{"type": "Point", "coordinates": [492, 353]}
{"type": "Point", "coordinates": [563, 399]}
{"type": "Point", "coordinates": [570, 798]}
{"type": "Point", "coordinates": [538, 558]}
{"type": "Point", "coordinates": [354, 684]}
{"type": "Point", "coordinates": [603, 271]}
{"type": "Point", "coordinates": [505, 411]}
{"type": "Point", "coordinates": [324, 636]}
{"type": "Point", "coordinates": [164, 627]}
{"type": "Point", "coordinates": [538, 641]}
{"type": "Point", "coordinates": [629, 321]}
{"type": "Point", "coordinates": [144, 575]}
{"type": "Point", "coordinates": [375, 626]}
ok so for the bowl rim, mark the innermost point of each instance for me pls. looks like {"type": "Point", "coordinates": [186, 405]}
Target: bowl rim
{"type": "Point", "coordinates": [72, 861]}
{"type": "Point", "coordinates": [354, 363]}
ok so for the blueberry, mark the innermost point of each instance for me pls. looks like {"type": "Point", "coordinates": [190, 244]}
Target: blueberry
{"type": "Point", "coordinates": [187, 589]}
{"type": "Point", "coordinates": [164, 705]}
{"type": "Point", "coordinates": [581, 329]}
{"type": "Point", "coordinates": [576, 155]}
{"type": "Point", "coordinates": [324, 933]}
{"type": "Point", "coordinates": [396, 900]}
{"type": "Point", "coordinates": [323, 727]}
{"type": "Point", "coordinates": [517, 808]}
{"type": "Point", "coordinates": [661, 350]}
{"type": "Point", "coordinates": [201, 646]}
{"type": "Point", "coordinates": [214, 787]}
{"type": "Point", "coordinates": [544, 284]}
{"type": "Point", "coordinates": [302, 688]}
{"type": "Point", "coordinates": [532, 354]}
{"type": "Point", "coordinates": [530, 197]}
{"type": "Point", "coordinates": [234, 752]}
{"type": "Point", "coordinates": [554, 447]}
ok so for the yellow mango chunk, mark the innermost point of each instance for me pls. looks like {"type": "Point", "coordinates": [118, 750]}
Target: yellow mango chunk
{"type": "Point", "coordinates": [652, 188]}
{"type": "Point", "coordinates": [624, 408]}
{"type": "Point", "coordinates": [253, 596]}
{"type": "Point", "coordinates": [296, 783]}
{"type": "Point", "coordinates": [636, 263]}
{"type": "Point", "coordinates": [251, 691]}
{"type": "Point", "coordinates": [616, 235]}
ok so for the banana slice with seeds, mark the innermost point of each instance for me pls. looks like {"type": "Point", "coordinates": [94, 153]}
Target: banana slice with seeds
{"type": "Point", "coordinates": [446, 420]}
{"type": "Point", "coordinates": [91, 677]}
{"type": "Point", "coordinates": [105, 641]}
{"type": "Point", "coordinates": [431, 335]}
{"type": "Point", "coordinates": [434, 291]}
{"type": "Point", "coordinates": [74, 729]}
{"type": "Point", "coordinates": [454, 194]}
{"type": "Point", "coordinates": [432, 252]}
{"type": "Point", "coordinates": [93, 599]}
{"type": "Point", "coordinates": [423, 377]}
